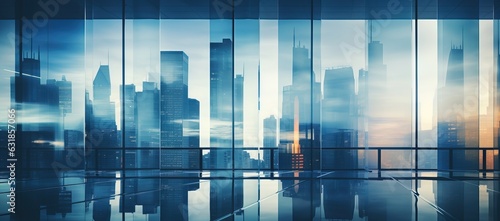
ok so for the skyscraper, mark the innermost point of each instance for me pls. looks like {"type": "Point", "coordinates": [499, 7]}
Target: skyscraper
{"type": "Point", "coordinates": [226, 128]}
{"type": "Point", "coordinates": [37, 104]}
{"type": "Point", "coordinates": [193, 133]}
{"type": "Point", "coordinates": [339, 130]}
{"type": "Point", "coordinates": [25, 87]}
{"type": "Point", "coordinates": [362, 99]}
{"type": "Point", "coordinates": [148, 125]}
{"type": "Point", "coordinates": [221, 103]}
{"type": "Point", "coordinates": [451, 124]}
{"type": "Point", "coordinates": [339, 125]}
{"type": "Point", "coordinates": [173, 91]}
{"type": "Point", "coordinates": [30, 96]}
{"type": "Point", "coordinates": [104, 122]}
{"type": "Point", "coordinates": [453, 119]}
{"type": "Point", "coordinates": [173, 108]}
{"type": "Point", "coordinates": [299, 125]}
{"type": "Point", "coordinates": [239, 81]}
{"type": "Point", "coordinates": [90, 133]}
{"type": "Point", "coordinates": [193, 125]}
{"type": "Point", "coordinates": [148, 109]}
{"type": "Point", "coordinates": [376, 84]}
{"type": "Point", "coordinates": [65, 95]}
{"type": "Point", "coordinates": [130, 127]}
{"type": "Point", "coordinates": [129, 136]}
{"type": "Point", "coordinates": [239, 160]}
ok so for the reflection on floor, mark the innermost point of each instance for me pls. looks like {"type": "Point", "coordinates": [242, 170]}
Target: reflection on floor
{"type": "Point", "coordinates": [244, 195]}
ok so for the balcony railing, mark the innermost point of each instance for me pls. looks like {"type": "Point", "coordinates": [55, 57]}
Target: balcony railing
{"type": "Point", "coordinates": [265, 159]}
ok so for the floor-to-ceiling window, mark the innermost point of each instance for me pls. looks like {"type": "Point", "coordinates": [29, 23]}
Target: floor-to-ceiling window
{"type": "Point", "coordinates": [238, 109]}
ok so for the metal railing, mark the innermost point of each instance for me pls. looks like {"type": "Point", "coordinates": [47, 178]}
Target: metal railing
{"type": "Point", "coordinates": [268, 159]}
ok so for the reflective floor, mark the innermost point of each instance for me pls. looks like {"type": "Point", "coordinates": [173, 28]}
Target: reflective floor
{"type": "Point", "coordinates": [243, 195]}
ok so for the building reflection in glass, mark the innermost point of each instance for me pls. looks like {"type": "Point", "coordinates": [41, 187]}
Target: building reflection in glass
{"type": "Point", "coordinates": [298, 134]}
{"type": "Point", "coordinates": [299, 199]}
{"type": "Point", "coordinates": [339, 122]}
{"type": "Point", "coordinates": [457, 126]}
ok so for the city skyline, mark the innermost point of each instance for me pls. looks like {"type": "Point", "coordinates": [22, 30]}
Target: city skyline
{"type": "Point", "coordinates": [250, 110]}
{"type": "Point", "coordinates": [203, 137]}
{"type": "Point", "coordinates": [399, 121]}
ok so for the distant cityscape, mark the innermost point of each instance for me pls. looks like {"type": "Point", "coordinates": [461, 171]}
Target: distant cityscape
{"type": "Point", "coordinates": [321, 127]}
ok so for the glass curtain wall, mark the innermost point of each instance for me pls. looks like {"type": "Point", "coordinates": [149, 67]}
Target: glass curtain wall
{"type": "Point", "coordinates": [226, 89]}
{"type": "Point", "coordinates": [232, 86]}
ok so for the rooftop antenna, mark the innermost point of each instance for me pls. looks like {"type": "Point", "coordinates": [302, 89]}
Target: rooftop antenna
{"type": "Point", "coordinates": [243, 74]}
{"type": "Point", "coordinates": [294, 37]}
{"type": "Point", "coordinates": [108, 56]}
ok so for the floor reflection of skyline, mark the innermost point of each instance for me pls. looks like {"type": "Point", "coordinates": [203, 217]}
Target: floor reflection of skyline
{"type": "Point", "coordinates": [289, 195]}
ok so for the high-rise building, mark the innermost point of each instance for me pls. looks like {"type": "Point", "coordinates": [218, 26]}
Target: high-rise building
{"type": "Point", "coordinates": [128, 136]}
{"type": "Point", "coordinates": [376, 102]}
{"type": "Point", "coordinates": [221, 103]}
{"type": "Point", "coordinates": [148, 125]}
{"type": "Point", "coordinates": [461, 200]}
{"type": "Point", "coordinates": [173, 108]}
{"type": "Point", "coordinates": [339, 119]}
{"type": "Point", "coordinates": [65, 95]}
{"type": "Point", "coordinates": [226, 128]}
{"type": "Point", "coordinates": [299, 125]}
{"type": "Point", "coordinates": [451, 124]}
{"type": "Point", "coordinates": [104, 123]}
{"type": "Point", "coordinates": [362, 99]}
{"type": "Point", "coordinates": [35, 137]}
{"type": "Point", "coordinates": [148, 109]}
{"type": "Point", "coordinates": [25, 87]}
{"type": "Point", "coordinates": [130, 126]}
{"type": "Point", "coordinates": [192, 125]}
{"type": "Point", "coordinates": [90, 133]}
{"type": "Point", "coordinates": [173, 91]}
{"type": "Point", "coordinates": [239, 154]}
{"type": "Point", "coordinates": [339, 130]}
{"type": "Point", "coordinates": [239, 81]}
